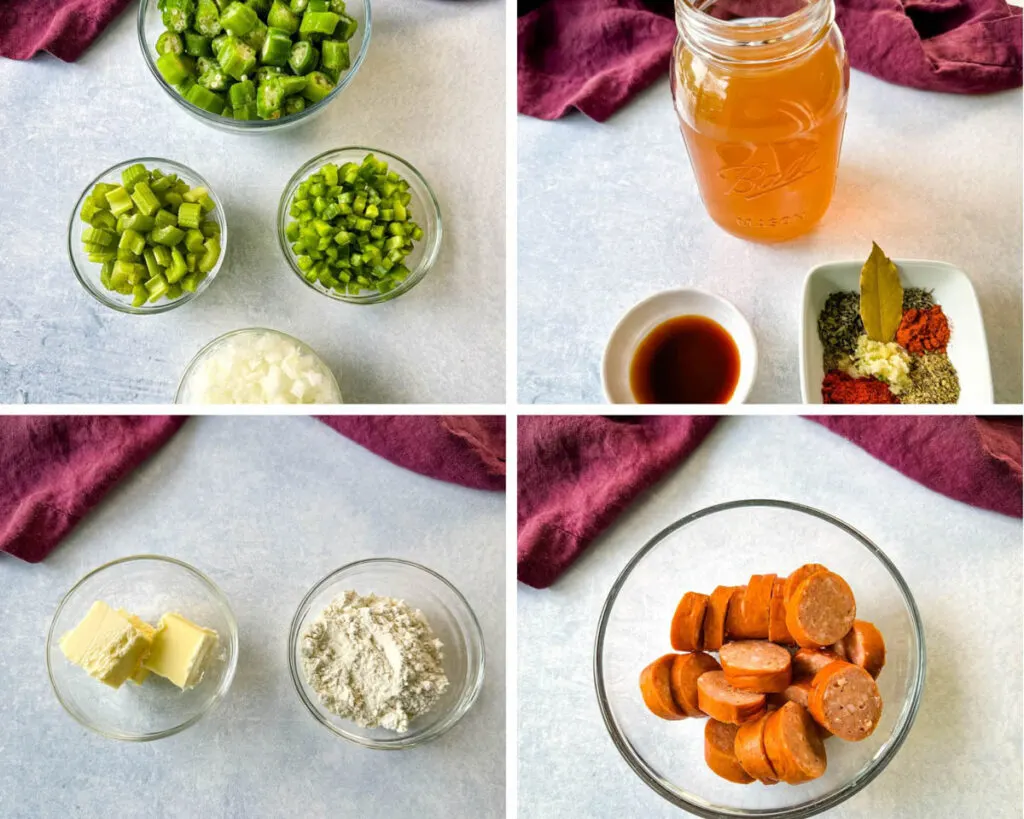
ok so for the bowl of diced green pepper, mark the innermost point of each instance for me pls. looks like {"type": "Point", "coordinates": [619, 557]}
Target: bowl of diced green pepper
{"type": "Point", "coordinates": [147, 235]}
{"type": "Point", "coordinates": [359, 225]}
{"type": "Point", "coordinates": [255, 65]}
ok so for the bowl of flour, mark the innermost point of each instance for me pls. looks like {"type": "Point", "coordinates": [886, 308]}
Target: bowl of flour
{"type": "Point", "coordinates": [386, 653]}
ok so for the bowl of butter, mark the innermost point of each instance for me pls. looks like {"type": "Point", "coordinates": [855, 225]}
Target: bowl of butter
{"type": "Point", "coordinates": [142, 648]}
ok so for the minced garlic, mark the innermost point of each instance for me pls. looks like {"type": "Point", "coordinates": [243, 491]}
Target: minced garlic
{"type": "Point", "coordinates": [888, 362]}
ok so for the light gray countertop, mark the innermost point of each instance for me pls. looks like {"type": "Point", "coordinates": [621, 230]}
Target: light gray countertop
{"type": "Point", "coordinates": [266, 507]}
{"type": "Point", "coordinates": [609, 214]}
{"type": "Point", "coordinates": [963, 566]}
{"type": "Point", "coordinates": [431, 90]}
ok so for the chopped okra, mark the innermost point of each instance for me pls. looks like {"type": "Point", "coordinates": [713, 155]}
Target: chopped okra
{"type": "Point", "coordinates": [282, 55]}
{"type": "Point", "coordinates": [352, 227]}
{"type": "Point", "coordinates": [153, 234]}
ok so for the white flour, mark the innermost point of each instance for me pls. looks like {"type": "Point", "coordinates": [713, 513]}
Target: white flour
{"type": "Point", "coordinates": [374, 660]}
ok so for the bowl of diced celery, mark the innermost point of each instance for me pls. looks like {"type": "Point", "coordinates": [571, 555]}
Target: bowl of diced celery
{"type": "Point", "coordinates": [147, 235]}
{"type": "Point", "coordinates": [359, 225]}
{"type": "Point", "coordinates": [257, 65]}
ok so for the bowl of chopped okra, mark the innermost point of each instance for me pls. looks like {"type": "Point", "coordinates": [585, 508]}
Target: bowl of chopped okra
{"type": "Point", "coordinates": [254, 66]}
{"type": "Point", "coordinates": [359, 225]}
{"type": "Point", "coordinates": [147, 235]}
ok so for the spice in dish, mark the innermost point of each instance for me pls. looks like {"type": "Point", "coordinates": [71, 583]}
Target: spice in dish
{"type": "Point", "coordinates": [685, 360]}
{"type": "Point", "coordinates": [374, 660]}
{"type": "Point", "coordinates": [895, 337]}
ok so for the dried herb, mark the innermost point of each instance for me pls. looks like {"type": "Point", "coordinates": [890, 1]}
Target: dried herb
{"type": "Point", "coordinates": [916, 298]}
{"type": "Point", "coordinates": [933, 380]}
{"type": "Point", "coordinates": [839, 324]}
{"type": "Point", "coordinates": [881, 296]}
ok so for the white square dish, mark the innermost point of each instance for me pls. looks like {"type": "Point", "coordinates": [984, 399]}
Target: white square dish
{"type": "Point", "coordinates": [967, 349]}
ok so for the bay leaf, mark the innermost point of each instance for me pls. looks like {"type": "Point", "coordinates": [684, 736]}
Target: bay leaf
{"type": "Point", "coordinates": [881, 296]}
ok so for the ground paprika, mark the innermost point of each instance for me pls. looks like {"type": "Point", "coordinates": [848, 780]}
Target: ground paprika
{"type": "Point", "coordinates": [839, 388]}
{"type": "Point", "coordinates": [923, 331]}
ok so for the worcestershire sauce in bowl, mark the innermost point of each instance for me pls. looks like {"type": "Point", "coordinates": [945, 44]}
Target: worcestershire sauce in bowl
{"type": "Point", "coordinates": [685, 360]}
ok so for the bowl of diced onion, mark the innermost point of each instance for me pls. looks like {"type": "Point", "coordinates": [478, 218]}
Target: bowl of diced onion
{"type": "Point", "coordinates": [106, 211]}
{"type": "Point", "coordinates": [257, 366]}
{"type": "Point", "coordinates": [200, 76]}
{"type": "Point", "coordinates": [352, 204]}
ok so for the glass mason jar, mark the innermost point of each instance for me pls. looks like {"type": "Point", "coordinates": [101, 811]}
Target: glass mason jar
{"type": "Point", "coordinates": [761, 103]}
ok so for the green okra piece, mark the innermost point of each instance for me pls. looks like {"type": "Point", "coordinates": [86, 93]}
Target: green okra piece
{"type": "Point", "coordinates": [298, 6]}
{"type": "Point", "coordinates": [207, 19]}
{"type": "Point", "coordinates": [174, 68]}
{"type": "Point", "coordinates": [247, 111]}
{"type": "Point", "coordinates": [337, 6]}
{"type": "Point", "coordinates": [261, 7]}
{"type": "Point", "coordinates": [177, 14]}
{"type": "Point", "coordinates": [236, 58]}
{"type": "Point", "coordinates": [303, 58]}
{"type": "Point", "coordinates": [269, 98]}
{"type": "Point", "coordinates": [238, 19]}
{"type": "Point", "coordinates": [242, 93]}
{"type": "Point", "coordinates": [145, 200]}
{"type": "Point", "coordinates": [214, 79]}
{"type": "Point", "coordinates": [277, 48]}
{"type": "Point", "coordinates": [318, 6]}
{"type": "Point", "coordinates": [217, 43]}
{"type": "Point", "coordinates": [347, 28]}
{"type": "Point", "coordinates": [255, 38]}
{"type": "Point", "coordinates": [169, 43]}
{"type": "Point", "coordinates": [291, 85]}
{"type": "Point", "coordinates": [168, 235]}
{"type": "Point", "coordinates": [196, 45]}
{"type": "Point", "coordinates": [318, 86]}
{"type": "Point", "coordinates": [206, 99]}
{"type": "Point", "coordinates": [334, 55]}
{"type": "Point", "coordinates": [294, 105]}
{"type": "Point", "coordinates": [282, 17]}
{"type": "Point", "coordinates": [319, 22]}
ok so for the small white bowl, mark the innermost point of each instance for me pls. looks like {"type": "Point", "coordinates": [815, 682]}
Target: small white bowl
{"type": "Point", "coordinates": [643, 317]}
{"type": "Point", "coordinates": [953, 291]}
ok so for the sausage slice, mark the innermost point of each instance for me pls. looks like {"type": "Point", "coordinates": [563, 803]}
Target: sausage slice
{"type": "Point", "coordinates": [757, 604]}
{"type": "Point", "coordinates": [844, 698]}
{"type": "Point", "coordinates": [798, 691]}
{"type": "Point", "coordinates": [797, 577]}
{"type": "Point", "coordinates": [656, 688]}
{"type": "Point", "coordinates": [751, 753]}
{"type": "Point", "coordinates": [688, 622]}
{"type": "Point", "coordinates": [864, 646]}
{"type": "Point", "coordinates": [724, 703]}
{"type": "Point", "coordinates": [686, 670]}
{"type": "Point", "coordinates": [756, 665]}
{"type": "Point", "coordinates": [821, 610]}
{"type": "Point", "coordinates": [794, 747]}
{"type": "Point", "coordinates": [809, 661]}
{"type": "Point", "coordinates": [720, 752]}
{"type": "Point", "coordinates": [714, 619]}
{"type": "Point", "coordinates": [777, 631]}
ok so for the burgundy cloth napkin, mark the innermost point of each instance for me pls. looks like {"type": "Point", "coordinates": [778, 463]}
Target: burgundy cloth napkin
{"type": "Point", "coordinates": [65, 28]}
{"type": "Point", "coordinates": [595, 55]}
{"type": "Point", "coordinates": [54, 469]}
{"type": "Point", "coordinates": [576, 475]}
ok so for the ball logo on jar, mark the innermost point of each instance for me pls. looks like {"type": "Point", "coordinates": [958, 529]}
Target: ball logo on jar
{"type": "Point", "coordinates": [749, 176]}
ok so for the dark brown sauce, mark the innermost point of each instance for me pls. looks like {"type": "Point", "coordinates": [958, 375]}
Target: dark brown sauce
{"type": "Point", "coordinates": [685, 360]}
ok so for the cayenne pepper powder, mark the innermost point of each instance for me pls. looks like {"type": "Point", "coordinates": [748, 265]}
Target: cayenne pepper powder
{"type": "Point", "coordinates": [839, 388]}
{"type": "Point", "coordinates": [924, 331]}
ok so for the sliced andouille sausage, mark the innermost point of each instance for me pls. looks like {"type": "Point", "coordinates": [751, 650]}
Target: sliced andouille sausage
{"type": "Point", "coordinates": [686, 670]}
{"type": "Point", "coordinates": [864, 646]}
{"type": "Point", "coordinates": [777, 631]}
{"type": "Point", "coordinates": [721, 701]}
{"type": "Point", "coordinates": [821, 610]}
{"type": "Point", "coordinates": [844, 699]}
{"type": "Point", "coordinates": [656, 688]}
{"type": "Point", "coordinates": [798, 691]}
{"type": "Point", "coordinates": [720, 752]}
{"type": "Point", "coordinates": [688, 622]}
{"type": "Point", "coordinates": [751, 753]}
{"type": "Point", "coordinates": [793, 745]}
{"type": "Point", "coordinates": [797, 577]}
{"type": "Point", "coordinates": [756, 665]}
{"type": "Point", "coordinates": [757, 605]}
{"type": "Point", "coordinates": [735, 621]}
{"type": "Point", "coordinates": [714, 619]}
{"type": "Point", "coordinates": [809, 661]}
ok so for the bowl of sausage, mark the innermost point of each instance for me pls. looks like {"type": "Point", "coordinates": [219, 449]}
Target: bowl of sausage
{"type": "Point", "coordinates": [759, 658]}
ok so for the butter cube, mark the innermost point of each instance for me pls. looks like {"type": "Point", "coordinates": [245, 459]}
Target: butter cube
{"type": "Point", "coordinates": [180, 649]}
{"type": "Point", "coordinates": [139, 677]}
{"type": "Point", "coordinates": [107, 644]}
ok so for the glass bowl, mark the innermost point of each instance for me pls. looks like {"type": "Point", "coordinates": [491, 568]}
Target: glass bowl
{"type": "Point", "coordinates": [150, 27]}
{"type": "Point", "coordinates": [184, 393]}
{"type": "Point", "coordinates": [147, 586]}
{"type": "Point", "coordinates": [88, 273]}
{"type": "Point", "coordinates": [724, 545]}
{"type": "Point", "coordinates": [449, 616]}
{"type": "Point", "coordinates": [423, 209]}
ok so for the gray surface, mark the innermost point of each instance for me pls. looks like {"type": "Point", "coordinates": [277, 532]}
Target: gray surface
{"type": "Point", "coordinates": [609, 214]}
{"type": "Point", "coordinates": [266, 507]}
{"type": "Point", "coordinates": [963, 566]}
{"type": "Point", "coordinates": [431, 90]}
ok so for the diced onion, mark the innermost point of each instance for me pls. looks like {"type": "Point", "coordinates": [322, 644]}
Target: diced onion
{"type": "Point", "coordinates": [260, 368]}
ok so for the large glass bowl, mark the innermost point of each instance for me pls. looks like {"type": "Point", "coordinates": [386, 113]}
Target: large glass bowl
{"type": "Point", "coordinates": [88, 273]}
{"type": "Point", "coordinates": [150, 27]}
{"type": "Point", "coordinates": [451, 619]}
{"type": "Point", "coordinates": [724, 545]}
{"type": "Point", "coordinates": [423, 209]}
{"type": "Point", "coordinates": [148, 586]}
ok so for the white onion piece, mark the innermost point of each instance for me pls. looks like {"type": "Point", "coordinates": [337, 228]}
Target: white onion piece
{"type": "Point", "coordinates": [260, 368]}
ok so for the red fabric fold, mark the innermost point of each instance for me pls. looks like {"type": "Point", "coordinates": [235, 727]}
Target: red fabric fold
{"type": "Point", "coordinates": [595, 55]}
{"type": "Point", "coordinates": [65, 28]}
